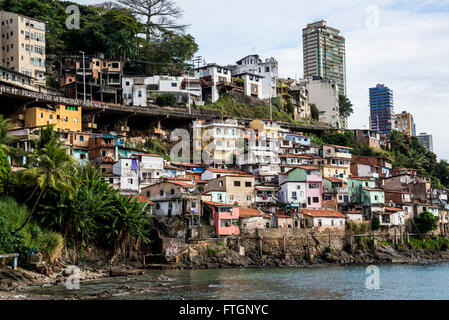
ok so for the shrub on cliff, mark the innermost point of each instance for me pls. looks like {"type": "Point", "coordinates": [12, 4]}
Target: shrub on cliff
{"type": "Point", "coordinates": [425, 222]}
{"type": "Point", "coordinates": [375, 224]}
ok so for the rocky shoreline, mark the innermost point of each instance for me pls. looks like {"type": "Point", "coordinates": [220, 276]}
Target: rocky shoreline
{"type": "Point", "coordinates": [13, 284]}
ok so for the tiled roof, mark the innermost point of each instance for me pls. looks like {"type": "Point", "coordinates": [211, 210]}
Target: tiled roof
{"type": "Point", "coordinates": [323, 213]}
{"type": "Point", "coordinates": [393, 209]}
{"type": "Point", "coordinates": [333, 145]}
{"type": "Point", "coordinates": [217, 204]}
{"type": "Point", "coordinates": [250, 213]}
{"type": "Point", "coordinates": [181, 183]}
{"type": "Point", "coordinates": [142, 199]}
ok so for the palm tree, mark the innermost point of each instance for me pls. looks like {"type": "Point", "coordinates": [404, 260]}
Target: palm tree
{"type": "Point", "coordinates": [6, 140]}
{"type": "Point", "coordinates": [122, 45]}
{"type": "Point", "coordinates": [51, 171]}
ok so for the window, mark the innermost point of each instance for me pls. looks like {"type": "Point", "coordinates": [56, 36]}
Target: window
{"type": "Point", "coordinates": [316, 199]}
{"type": "Point", "coordinates": [158, 206]}
{"type": "Point", "coordinates": [172, 191]}
{"type": "Point", "coordinates": [148, 194]}
{"type": "Point", "coordinates": [193, 204]}
{"type": "Point", "coordinates": [248, 184]}
{"type": "Point", "coordinates": [161, 192]}
{"type": "Point", "coordinates": [248, 198]}
{"type": "Point", "coordinates": [174, 84]}
{"type": "Point", "coordinates": [314, 185]}
{"type": "Point", "coordinates": [130, 181]}
{"type": "Point", "coordinates": [236, 183]}
{"type": "Point", "coordinates": [41, 115]}
{"type": "Point", "coordinates": [220, 183]}
{"type": "Point", "coordinates": [81, 138]}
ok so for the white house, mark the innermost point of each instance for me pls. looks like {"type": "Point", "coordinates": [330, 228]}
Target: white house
{"type": "Point", "coordinates": [268, 70]}
{"type": "Point", "coordinates": [211, 173]}
{"type": "Point", "coordinates": [324, 219]}
{"type": "Point", "coordinates": [212, 75]}
{"type": "Point", "coordinates": [390, 217]}
{"type": "Point", "coordinates": [135, 90]}
{"type": "Point", "coordinates": [151, 167]}
{"type": "Point", "coordinates": [293, 192]}
{"type": "Point", "coordinates": [128, 170]}
{"type": "Point", "coordinates": [253, 84]}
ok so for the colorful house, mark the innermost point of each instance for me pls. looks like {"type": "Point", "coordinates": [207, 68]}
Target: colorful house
{"type": "Point", "coordinates": [324, 219]}
{"type": "Point", "coordinates": [225, 218]}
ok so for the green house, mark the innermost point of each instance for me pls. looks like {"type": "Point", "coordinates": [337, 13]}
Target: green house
{"type": "Point", "coordinates": [372, 197]}
{"type": "Point", "coordinates": [356, 185]}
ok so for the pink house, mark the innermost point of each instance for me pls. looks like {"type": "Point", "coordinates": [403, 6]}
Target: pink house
{"type": "Point", "coordinates": [314, 186]}
{"type": "Point", "coordinates": [225, 218]}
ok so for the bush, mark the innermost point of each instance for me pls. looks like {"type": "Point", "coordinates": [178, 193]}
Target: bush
{"type": "Point", "coordinates": [50, 243]}
{"type": "Point", "coordinates": [425, 222]}
{"type": "Point", "coordinates": [375, 224]}
{"type": "Point", "coordinates": [166, 99]}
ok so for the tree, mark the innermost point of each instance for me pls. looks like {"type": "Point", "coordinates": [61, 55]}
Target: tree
{"type": "Point", "coordinates": [5, 139]}
{"type": "Point", "coordinates": [344, 106]}
{"type": "Point", "coordinates": [315, 112]}
{"type": "Point", "coordinates": [160, 15]}
{"type": "Point", "coordinates": [50, 172]}
{"type": "Point", "coordinates": [425, 222]}
{"type": "Point", "coordinates": [122, 45]}
{"type": "Point", "coordinates": [5, 172]}
{"type": "Point", "coordinates": [375, 223]}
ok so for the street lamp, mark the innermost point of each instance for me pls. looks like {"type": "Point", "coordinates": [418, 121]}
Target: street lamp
{"type": "Point", "coordinates": [84, 75]}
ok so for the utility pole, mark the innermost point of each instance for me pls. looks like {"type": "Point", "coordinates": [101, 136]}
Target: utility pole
{"type": "Point", "coordinates": [84, 75]}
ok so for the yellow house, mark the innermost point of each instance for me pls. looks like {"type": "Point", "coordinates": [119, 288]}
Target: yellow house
{"type": "Point", "coordinates": [270, 128]}
{"type": "Point", "coordinates": [65, 118]}
{"type": "Point", "coordinates": [333, 171]}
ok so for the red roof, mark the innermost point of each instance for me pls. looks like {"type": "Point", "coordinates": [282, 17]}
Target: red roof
{"type": "Point", "coordinates": [147, 155]}
{"type": "Point", "coordinates": [217, 204]}
{"type": "Point", "coordinates": [323, 213]}
{"type": "Point", "coordinates": [250, 213]}
{"type": "Point", "coordinates": [393, 209]}
{"type": "Point", "coordinates": [142, 199]}
{"type": "Point", "coordinates": [282, 216]}
{"type": "Point", "coordinates": [180, 183]}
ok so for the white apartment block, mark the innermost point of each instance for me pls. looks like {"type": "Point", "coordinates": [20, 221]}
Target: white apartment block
{"type": "Point", "coordinates": [324, 94]}
{"type": "Point", "coordinates": [23, 45]}
{"type": "Point", "coordinates": [268, 70]}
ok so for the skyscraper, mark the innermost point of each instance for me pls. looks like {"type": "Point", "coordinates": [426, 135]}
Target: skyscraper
{"type": "Point", "coordinates": [324, 55]}
{"type": "Point", "coordinates": [381, 109]}
{"type": "Point", "coordinates": [426, 140]}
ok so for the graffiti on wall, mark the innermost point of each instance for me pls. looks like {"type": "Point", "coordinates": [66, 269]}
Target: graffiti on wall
{"type": "Point", "coordinates": [172, 247]}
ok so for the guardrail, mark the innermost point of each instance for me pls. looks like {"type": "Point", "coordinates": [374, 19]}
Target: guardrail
{"type": "Point", "coordinates": [15, 257]}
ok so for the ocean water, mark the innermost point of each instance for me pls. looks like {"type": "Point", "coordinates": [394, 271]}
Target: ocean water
{"type": "Point", "coordinates": [395, 281]}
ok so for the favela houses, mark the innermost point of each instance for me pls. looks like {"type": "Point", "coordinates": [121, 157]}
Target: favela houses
{"type": "Point", "coordinates": [135, 149]}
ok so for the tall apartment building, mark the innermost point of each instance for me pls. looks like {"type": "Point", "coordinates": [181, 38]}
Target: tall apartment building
{"type": "Point", "coordinates": [426, 140]}
{"type": "Point", "coordinates": [23, 45]}
{"type": "Point", "coordinates": [324, 56]}
{"type": "Point", "coordinates": [381, 109]}
{"type": "Point", "coordinates": [404, 122]}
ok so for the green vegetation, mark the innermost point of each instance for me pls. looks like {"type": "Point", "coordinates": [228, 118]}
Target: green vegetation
{"type": "Point", "coordinates": [114, 30]}
{"type": "Point", "coordinates": [433, 243]}
{"type": "Point", "coordinates": [357, 228]}
{"type": "Point", "coordinates": [315, 112]}
{"type": "Point", "coordinates": [425, 222]}
{"type": "Point", "coordinates": [59, 203]}
{"type": "Point", "coordinates": [229, 107]}
{"type": "Point", "coordinates": [344, 106]}
{"type": "Point", "coordinates": [375, 223]}
{"type": "Point", "coordinates": [166, 99]}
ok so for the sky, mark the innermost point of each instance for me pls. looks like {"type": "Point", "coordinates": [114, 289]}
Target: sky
{"type": "Point", "coordinates": [403, 44]}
